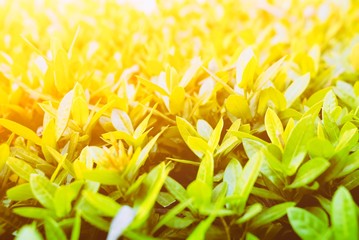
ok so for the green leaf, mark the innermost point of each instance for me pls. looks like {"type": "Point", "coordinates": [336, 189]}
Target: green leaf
{"type": "Point", "coordinates": [351, 181]}
{"type": "Point", "coordinates": [232, 177]}
{"type": "Point", "coordinates": [53, 230]}
{"type": "Point", "coordinates": [21, 168]}
{"type": "Point", "coordinates": [344, 215]}
{"type": "Point", "coordinates": [250, 212]}
{"type": "Point", "coordinates": [20, 192]}
{"type": "Point", "coordinates": [309, 171]}
{"type": "Point", "coordinates": [104, 204]}
{"type": "Point", "coordinates": [348, 137]}
{"type": "Point", "coordinates": [176, 189]}
{"type": "Point", "coordinates": [250, 236]}
{"type": "Point", "coordinates": [28, 232]}
{"type": "Point", "coordinates": [248, 177]}
{"type": "Point", "coordinates": [330, 102]}
{"type": "Point", "coordinates": [96, 221]}
{"type": "Point", "coordinates": [104, 176]}
{"type": "Point", "coordinates": [271, 214]}
{"type": "Point", "coordinates": [326, 149]}
{"type": "Point", "coordinates": [76, 230]}
{"type": "Point", "coordinates": [120, 222]}
{"type": "Point", "coordinates": [205, 170]}
{"type": "Point", "coordinates": [295, 150]}
{"type": "Point", "coordinates": [152, 185]}
{"type": "Point", "coordinates": [199, 232]}
{"type": "Point", "coordinates": [165, 199]}
{"type": "Point", "coordinates": [171, 214]}
{"type": "Point", "coordinates": [200, 192]}
{"type": "Point", "coordinates": [266, 194]}
{"type": "Point", "coordinates": [33, 212]}
{"type": "Point", "coordinates": [198, 146]}
{"type": "Point", "coordinates": [21, 130]}
{"type": "Point", "coordinates": [305, 224]}
{"type": "Point", "coordinates": [139, 159]}
{"type": "Point", "coordinates": [64, 196]}
{"type": "Point", "coordinates": [43, 190]}
{"type": "Point", "coordinates": [185, 128]}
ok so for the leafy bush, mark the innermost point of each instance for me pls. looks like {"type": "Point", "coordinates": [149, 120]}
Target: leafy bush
{"type": "Point", "coordinates": [198, 120]}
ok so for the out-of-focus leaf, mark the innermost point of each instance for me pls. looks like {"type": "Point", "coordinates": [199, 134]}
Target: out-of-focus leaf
{"type": "Point", "coordinates": [28, 232]}
{"type": "Point", "coordinates": [177, 98]}
{"type": "Point", "coordinates": [171, 214]}
{"type": "Point", "coordinates": [250, 212]}
{"type": "Point", "coordinates": [344, 215]}
{"type": "Point", "coordinates": [120, 222]}
{"type": "Point", "coordinates": [104, 204]}
{"type": "Point", "coordinates": [354, 57]}
{"type": "Point", "coordinates": [4, 154]}
{"type": "Point", "coordinates": [20, 130]}
{"type": "Point", "coordinates": [21, 168]}
{"type": "Point", "coordinates": [64, 196]}
{"type": "Point", "coordinates": [33, 212]}
{"type": "Point", "coordinates": [153, 183]}
{"type": "Point", "coordinates": [20, 192]}
{"type": "Point", "coordinates": [53, 230]}
{"type": "Point", "coordinates": [121, 121]}
{"type": "Point", "coordinates": [165, 199]}
{"type": "Point", "coordinates": [63, 113]}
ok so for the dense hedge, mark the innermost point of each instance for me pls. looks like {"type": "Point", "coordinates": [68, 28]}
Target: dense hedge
{"type": "Point", "coordinates": [189, 119]}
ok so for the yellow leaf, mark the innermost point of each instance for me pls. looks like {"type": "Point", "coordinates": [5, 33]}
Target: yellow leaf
{"type": "Point", "coordinates": [288, 129]}
{"type": "Point", "coordinates": [121, 121]}
{"type": "Point", "coordinates": [80, 111]}
{"type": "Point", "coordinates": [63, 114]}
{"type": "Point", "coordinates": [265, 79]}
{"type": "Point", "coordinates": [238, 106]}
{"type": "Point", "coordinates": [296, 89]}
{"type": "Point", "coordinates": [274, 127]}
{"type": "Point", "coordinates": [270, 97]}
{"type": "Point", "coordinates": [4, 154]}
{"type": "Point", "coordinates": [49, 139]}
{"type": "Point", "coordinates": [196, 63]}
{"type": "Point", "coordinates": [62, 79]}
{"type": "Point", "coordinates": [246, 68]}
{"type": "Point", "coordinates": [177, 98]}
{"type": "Point", "coordinates": [20, 130]}
{"type": "Point", "coordinates": [354, 57]}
